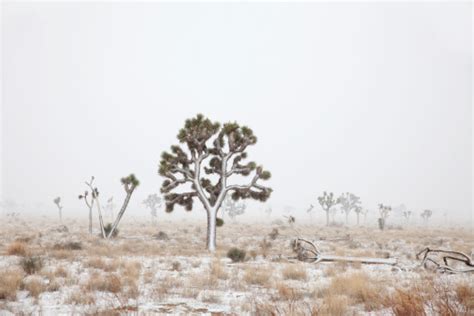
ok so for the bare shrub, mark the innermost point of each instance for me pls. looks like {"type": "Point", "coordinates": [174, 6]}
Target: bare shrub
{"type": "Point", "coordinates": [16, 248]}
{"type": "Point", "coordinates": [294, 272]}
{"type": "Point", "coordinates": [236, 254]}
{"type": "Point", "coordinates": [10, 281]}
{"type": "Point", "coordinates": [288, 293]}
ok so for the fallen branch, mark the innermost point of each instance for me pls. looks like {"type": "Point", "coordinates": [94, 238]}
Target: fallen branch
{"type": "Point", "coordinates": [308, 252]}
{"type": "Point", "coordinates": [445, 256]}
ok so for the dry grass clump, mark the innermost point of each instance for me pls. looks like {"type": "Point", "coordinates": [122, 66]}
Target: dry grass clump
{"type": "Point", "coordinates": [465, 296]}
{"type": "Point", "coordinates": [61, 272]}
{"type": "Point", "coordinates": [10, 281]}
{"type": "Point", "coordinates": [359, 287]}
{"type": "Point", "coordinates": [294, 272]}
{"type": "Point", "coordinates": [218, 270]}
{"type": "Point", "coordinates": [31, 264]}
{"type": "Point", "coordinates": [35, 286]}
{"type": "Point", "coordinates": [17, 248]}
{"type": "Point", "coordinates": [334, 305]}
{"type": "Point", "coordinates": [80, 298]}
{"type": "Point", "coordinates": [288, 293]}
{"type": "Point", "coordinates": [257, 276]}
{"type": "Point", "coordinates": [166, 286]}
{"type": "Point", "coordinates": [406, 302]}
{"type": "Point", "coordinates": [106, 283]}
{"type": "Point", "coordinates": [209, 297]}
{"type": "Point", "coordinates": [106, 265]}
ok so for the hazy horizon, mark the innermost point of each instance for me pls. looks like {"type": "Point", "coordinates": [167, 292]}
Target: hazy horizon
{"type": "Point", "coordinates": [373, 98]}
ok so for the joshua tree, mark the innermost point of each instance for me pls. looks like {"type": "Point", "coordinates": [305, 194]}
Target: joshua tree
{"type": "Point", "coordinates": [407, 215]}
{"type": "Point", "coordinates": [224, 154]}
{"type": "Point", "coordinates": [348, 203]}
{"type": "Point", "coordinates": [129, 184]}
{"type": "Point", "coordinates": [327, 201]}
{"type": "Point", "coordinates": [384, 211]}
{"type": "Point", "coordinates": [110, 206]}
{"type": "Point", "coordinates": [232, 208]}
{"type": "Point", "coordinates": [57, 201]}
{"type": "Point", "coordinates": [426, 215]}
{"type": "Point", "coordinates": [94, 197]}
{"type": "Point", "coordinates": [358, 209]}
{"type": "Point", "coordinates": [153, 202]}
{"type": "Point", "coordinates": [310, 212]}
{"type": "Point", "coordinates": [268, 211]}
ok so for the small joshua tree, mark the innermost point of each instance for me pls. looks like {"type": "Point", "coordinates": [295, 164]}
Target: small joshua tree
{"type": "Point", "coordinates": [232, 208]}
{"type": "Point", "coordinates": [129, 183]}
{"type": "Point", "coordinates": [407, 215]}
{"type": "Point", "coordinates": [310, 212]}
{"type": "Point", "coordinates": [384, 211]}
{"type": "Point", "coordinates": [349, 202]}
{"type": "Point", "coordinates": [358, 210]}
{"type": "Point", "coordinates": [90, 200]}
{"type": "Point", "coordinates": [223, 148]}
{"type": "Point", "coordinates": [426, 214]}
{"type": "Point", "coordinates": [57, 201]}
{"type": "Point", "coordinates": [153, 202]}
{"type": "Point", "coordinates": [327, 201]}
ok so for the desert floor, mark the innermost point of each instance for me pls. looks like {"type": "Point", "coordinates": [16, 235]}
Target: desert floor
{"type": "Point", "coordinates": [48, 269]}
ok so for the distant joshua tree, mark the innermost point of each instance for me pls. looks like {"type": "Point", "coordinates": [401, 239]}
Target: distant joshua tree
{"type": "Point", "coordinates": [349, 202]}
{"type": "Point", "coordinates": [310, 212]}
{"type": "Point", "coordinates": [129, 183]}
{"type": "Point", "coordinates": [407, 215]}
{"type": "Point", "coordinates": [426, 214]}
{"type": "Point", "coordinates": [358, 210]}
{"type": "Point", "coordinates": [110, 207]}
{"type": "Point", "coordinates": [384, 211]}
{"type": "Point", "coordinates": [89, 201]}
{"type": "Point", "coordinates": [57, 201]}
{"type": "Point", "coordinates": [153, 202]}
{"type": "Point", "coordinates": [224, 155]}
{"type": "Point", "coordinates": [232, 208]}
{"type": "Point", "coordinates": [268, 211]}
{"type": "Point", "coordinates": [327, 201]}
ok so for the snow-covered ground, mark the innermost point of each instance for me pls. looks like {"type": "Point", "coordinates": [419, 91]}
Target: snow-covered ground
{"type": "Point", "coordinates": [138, 273]}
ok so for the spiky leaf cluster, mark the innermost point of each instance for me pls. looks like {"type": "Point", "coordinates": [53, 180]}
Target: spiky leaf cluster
{"type": "Point", "coordinates": [57, 201]}
{"type": "Point", "coordinates": [130, 183]}
{"type": "Point", "coordinates": [209, 151]}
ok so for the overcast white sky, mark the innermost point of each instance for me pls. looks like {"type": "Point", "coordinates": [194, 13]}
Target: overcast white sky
{"type": "Point", "coordinates": [369, 98]}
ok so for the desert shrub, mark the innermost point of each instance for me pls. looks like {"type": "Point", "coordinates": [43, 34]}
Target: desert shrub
{"type": "Point", "coordinates": [219, 222]}
{"type": "Point", "coordinates": [288, 293]}
{"type": "Point", "coordinates": [176, 266]}
{"type": "Point", "coordinates": [236, 254]}
{"type": "Point", "coordinates": [265, 246]}
{"type": "Point", "coordinates": [465, 296]}
{"type": "Point", "coordinates": [70, 245]}
{"type": "Point", "coordinates": [31, 264]}
{"type": "Point", "coordinates": [294, 272]}
{"type": "Point", "coordinates": [17, 248]}
{"type": "Point", "coordinates": [161, 236]}
{"type": "Point", "coordinates": [10, 281]}
{"type": "Point", "coordinates": [218, 270]}
{"type": "Point", "coordinates": [109, 283]}
{"type": "Point", "coordinates": [108, 228]}
{"type": "Point", "coordinates": [274, 234]}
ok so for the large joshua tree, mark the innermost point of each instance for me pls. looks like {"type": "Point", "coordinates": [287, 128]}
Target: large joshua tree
{"type": "Point", "coordinates": [349, 202]}
{"type": "Point", "coordinates": [327, 201]}
{"type": "Point", "coordinates": [209, 155]}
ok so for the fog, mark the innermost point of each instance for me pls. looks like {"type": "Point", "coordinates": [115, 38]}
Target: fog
{"type": "Point", "coordinates": [373, 99]}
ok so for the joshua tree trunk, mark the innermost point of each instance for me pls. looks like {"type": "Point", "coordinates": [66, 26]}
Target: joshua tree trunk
{"type": "Point", "coordinates": [327, 217]}
{"type": "Point", "coordinates": [347, 218]}
{"type": "Point", "coordinates": [120, 214]}
{"type": "Point", "coordinates": [90, 217]}
{"type": "Point", "coordinates": [358, 215]}
{"type": "Point", "coordinates": [101, 222]}
{"type": "Point", "coordinates": [60, 215]}
{"type": "Point", "coordinates": [211, 229]}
